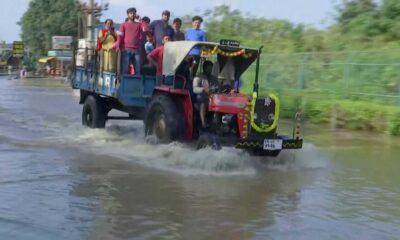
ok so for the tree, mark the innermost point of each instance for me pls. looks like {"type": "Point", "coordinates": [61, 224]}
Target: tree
{"type": "Point", "coordinates": [47, 18]}
{"type": "Point", "coordinates": [390, 19]}
{"type": "Point", "coordinates": [224, 23]}
{"type": "Point", "coordinates": [359, 16]}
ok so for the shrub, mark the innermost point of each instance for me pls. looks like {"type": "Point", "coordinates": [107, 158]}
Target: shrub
{"type": "Point", "coordinates": [394, 124]}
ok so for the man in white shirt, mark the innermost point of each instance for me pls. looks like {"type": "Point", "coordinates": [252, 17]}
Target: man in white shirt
{"type": "Point", "coordinates": [201, 87]}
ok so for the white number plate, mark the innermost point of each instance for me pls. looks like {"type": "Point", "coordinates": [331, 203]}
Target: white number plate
{"type": "Point", "coordinates": [272, 144]}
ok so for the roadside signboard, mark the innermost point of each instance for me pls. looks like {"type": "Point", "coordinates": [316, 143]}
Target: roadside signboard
{"type": "Point", "coordinates": [59, 53]}
{"type": "Point", "coordinates": [62, 42]}
{"type": "Point", "coordinates": [18, 49]}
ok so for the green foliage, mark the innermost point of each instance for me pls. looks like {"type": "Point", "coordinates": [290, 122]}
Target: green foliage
{"type": "Point", "coordinates": [44, 19]}
{"type": "Point", "coordinates": [362, 115]}
{"type": "Point", "coordinates": [30, 63]}
{"type": "Point", "coordinates": [224, 23]}
{"type": "Point", "coordinates": [346, 114]}
{"type": "Point", "coordinates": [357, 15]}
{"type": "Point", "coordinates": [390, 19]}
{"type": "Point", "coordinates": [361, 25]}
{"type": "Point", "coordinates": [394, 124]}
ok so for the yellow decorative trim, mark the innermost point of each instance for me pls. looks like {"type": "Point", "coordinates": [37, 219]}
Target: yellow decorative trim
{"type": "Point", "coordinates": [249, 144]}
{"type": "Point", "coordinates": [297, 129]}
{"type": "Point", "coordinates": [265, 128]}
{"type": "Point", "coordinates": [209, 52]}
{"type": "Point", "coordinates": [291, 145]}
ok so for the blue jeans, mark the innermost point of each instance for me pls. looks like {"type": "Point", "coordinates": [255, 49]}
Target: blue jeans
{"type": "Point", "coordinates": [130, 56]}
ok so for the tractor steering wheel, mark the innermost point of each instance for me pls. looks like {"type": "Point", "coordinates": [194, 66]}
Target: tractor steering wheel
{"type": "Point", "coordinates": [226, 88]}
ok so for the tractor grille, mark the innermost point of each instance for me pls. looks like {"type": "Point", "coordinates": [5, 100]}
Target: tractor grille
{"type": "Point", "coordinates": [264, 111]}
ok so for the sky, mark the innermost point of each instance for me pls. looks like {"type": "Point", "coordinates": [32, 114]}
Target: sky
{"type": "Point", "coordinates": [318, 13]}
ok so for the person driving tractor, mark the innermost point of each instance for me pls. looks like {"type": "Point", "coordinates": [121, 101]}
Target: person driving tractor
{"type": "Point", "coordinates": [201, 87]}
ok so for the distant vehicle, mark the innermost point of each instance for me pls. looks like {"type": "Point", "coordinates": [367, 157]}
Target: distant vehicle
{"type": "Point", "coordinates": [169, 110]}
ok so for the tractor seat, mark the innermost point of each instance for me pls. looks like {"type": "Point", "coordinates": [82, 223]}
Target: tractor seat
{"type": "Point", "coordinates": [180, 81]}
{"type": "Point", "coordinates": [175, 81]}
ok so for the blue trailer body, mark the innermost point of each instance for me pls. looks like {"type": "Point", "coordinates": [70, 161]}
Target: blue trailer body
{"type": "Point", "coordinates": [130, 91]}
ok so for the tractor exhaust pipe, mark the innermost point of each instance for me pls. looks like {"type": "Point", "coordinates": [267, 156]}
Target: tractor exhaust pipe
{"type": "Point", "coordinates": [255, 86]}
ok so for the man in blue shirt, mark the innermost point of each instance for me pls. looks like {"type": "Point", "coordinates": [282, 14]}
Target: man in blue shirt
{"type": "Point", "coordinates": [195, 34]}
{"type": "Point", "coordinates": [160, 28]}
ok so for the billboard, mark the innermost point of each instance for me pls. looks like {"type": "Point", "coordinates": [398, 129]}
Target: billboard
{"type": "Point", "coordinates": [59, 53]}
{"type": "Point", "coordinates": [62, 42]}
{"type": "Point", "coordinates": [18, 48]}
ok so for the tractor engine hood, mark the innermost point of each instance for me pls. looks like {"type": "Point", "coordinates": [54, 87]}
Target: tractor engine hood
{"type": "Point", "coordinates": [226, 103]}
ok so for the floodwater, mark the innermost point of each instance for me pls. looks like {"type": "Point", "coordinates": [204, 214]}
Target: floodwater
{"type": "Point", "coordinates": [59, 180]}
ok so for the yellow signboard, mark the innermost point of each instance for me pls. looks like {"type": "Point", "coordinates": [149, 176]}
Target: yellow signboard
{"type": "Point", "coordinates": [18, 48]}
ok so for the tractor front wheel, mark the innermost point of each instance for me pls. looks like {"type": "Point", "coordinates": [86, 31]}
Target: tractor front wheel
{"type": "Point", "coordinates": [208, 140]}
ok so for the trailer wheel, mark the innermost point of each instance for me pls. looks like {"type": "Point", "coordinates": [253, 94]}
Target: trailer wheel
{"type": "Point", "coordinates": [208, 140]}
{"type": "Point", "coordinates": [94, 113]}
{"type": "Point", "coordinates": [164, 120]}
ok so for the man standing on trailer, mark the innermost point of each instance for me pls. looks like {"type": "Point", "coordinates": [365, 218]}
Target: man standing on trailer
{"type": "Point", "coordinates": [130, 40]}
{"type": "Point", "coordinates": [178, 34]}
{"type": "Point", "coordinates": [160, 28]}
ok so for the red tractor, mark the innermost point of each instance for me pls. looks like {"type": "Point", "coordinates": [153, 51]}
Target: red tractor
{"type": "Point", "coordinates": [237, 120]}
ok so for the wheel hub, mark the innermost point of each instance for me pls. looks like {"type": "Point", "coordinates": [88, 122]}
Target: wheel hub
{"type": "Point", "coordinates": [89, 117]}
{"type": "Point", "coordinates": [160, 127]}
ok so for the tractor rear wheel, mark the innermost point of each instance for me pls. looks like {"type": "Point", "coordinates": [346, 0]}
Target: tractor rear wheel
{"type": "Point", "coordinates": [94, 112]}
{"type": "Point", "coordinates": [164, 120]}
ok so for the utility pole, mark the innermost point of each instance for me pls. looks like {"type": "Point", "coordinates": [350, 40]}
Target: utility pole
{"type": "Point", "coordinates": [90, 21]}
{"type": "Point", "coordinates": [89, 12]}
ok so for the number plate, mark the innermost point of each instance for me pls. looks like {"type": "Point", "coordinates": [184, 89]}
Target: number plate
{"type": "Point", "coordinates": [272, 144]}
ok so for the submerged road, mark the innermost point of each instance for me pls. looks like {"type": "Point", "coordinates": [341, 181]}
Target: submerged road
{"type": "Point", "coordinates": [59, 180]}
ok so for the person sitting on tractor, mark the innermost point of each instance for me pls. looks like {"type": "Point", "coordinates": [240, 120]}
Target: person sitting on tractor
{"type": "Point", "coordinates": [202, 84]}
{"type": "Point", "coordinates": [224, 70]}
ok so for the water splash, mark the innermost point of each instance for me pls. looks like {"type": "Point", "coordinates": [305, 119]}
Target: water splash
{"type": "Point", "coordinates": [307, 158]}
{"type": "Point", "coordinates": [128, 142]}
